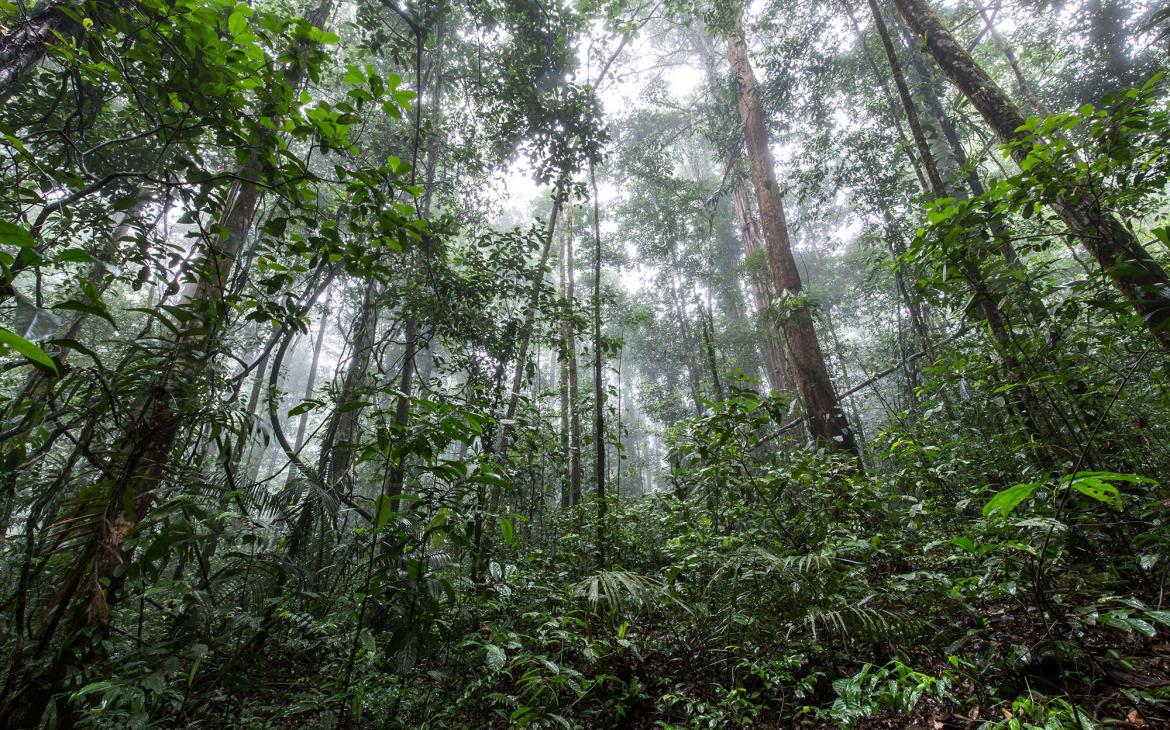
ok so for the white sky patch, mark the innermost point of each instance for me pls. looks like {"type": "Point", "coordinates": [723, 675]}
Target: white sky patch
{"type": "Point", "coordinates": [520, 190]}
{"type": "Point", "coordinates": [684, 80]}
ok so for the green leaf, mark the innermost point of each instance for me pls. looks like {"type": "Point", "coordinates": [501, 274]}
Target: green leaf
{"type": "Point", "coordinates": [1099, 490]}
{"type": "Point", "coordinates": [509, 530]}
{"type": "Point", "coordinates": [303, 407]}
{"type": "Point", "coordinates": [383, 511]}
{"type": "Point", "coordinates": [496, 657]}
{"type": "Point", "coordinates": [14, 235]}
{"type": "Point", "coordinates": [98, 310]}
{"type": "Point", "coordinates": [1007, 500]}
{"type": "Point", "coordinates": [28, 349]}
{"type": "Point", "coordinates": [75, 255]}
{"type": "Point", "coordinates": [92, 687]}
{"type": "Point", "coordinates": [75, 345]}
{"type": "Point", "coordinates": [237, 23]}
{"type": "Point", "coordinates": [403, 98]}
{"type": "Point", "coordinates": [125, 202]}
{"type": "Point", "coordinates": [1096, 484]}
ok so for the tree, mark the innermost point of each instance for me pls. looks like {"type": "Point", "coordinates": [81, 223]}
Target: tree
{"type": "Point", "coordinates": [826, 420]}
{"type": "Point", "coordinates": [1135, 274]}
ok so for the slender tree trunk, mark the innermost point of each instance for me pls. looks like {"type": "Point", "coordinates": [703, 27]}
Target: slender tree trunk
{"type": "Point", "coordinates": [728, 290]}
{"type": "Point", "coordinates": [243, 447]}
{"type": "Point", "coordinates": [337, 450]}
{"type": "Point", "coordinates": [1024, 398]}
{"type": "Point", "coordinates": [1021, 80]}
{"type": "Point", "coordinates": [708, 324]}
{"type": "Point", "coordinates": [598, 378]}
{"type": "Point", "coordinates": [311, 380]}
{"type": "Point", "coordinates": [563, 384]}
{"type": "Point", "coordinates": [826, 420]}
{"type": "Point", "coordinates": [503, 439]}
{"type": "Point", "coordinates": [396, 474]}
{"type": "Point", "coordinates": [1135, 274]}
{"type": "Point", "coordinates": [924, 152]}
{"type": "Point", "coordinates": [688, 342]}
{"type": "Point", "coordinates": [576, 474]}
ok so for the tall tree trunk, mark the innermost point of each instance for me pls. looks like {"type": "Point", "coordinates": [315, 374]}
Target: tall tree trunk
{"type": "Point", "coordinates": [708, 325]}
{"type": "Point", "coordinates": [826, 420]}
{"type": "Point", "coordinates": [1135, 274]}
{"type": "Point", "coordinates": [730, 257]}
{"type": "Point", "coordinates": [563, 362]}
{"type": "Point", "coordinates": [337, 450]}
{"type": "Point", "coordinates": [1025, 400]}
{"type": "Point", "coordinates": [920, 142]}
{"type": "Point", "coordinates": [503, 440]}
{"type": "Point", "coordinates": [575, 471]}
{"type": "Point", "coordinates": [773, 343]}
{"type": "Point", "coordinates": [930, 88]}
{"type": "Point", "coordinates": [688, 341]}
{"type": "Point", "coordinates": [396, 474]}
{"type": "Point", "coordinates": [243, 447]}
{"type": "Point", "coordinates": [311, 380]}
{"type": "Point", "coordinates": [728, 289]}
{"type": "Point", "coordinates": [598, 378]}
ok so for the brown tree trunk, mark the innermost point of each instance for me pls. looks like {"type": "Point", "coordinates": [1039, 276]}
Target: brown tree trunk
{"type": "Point", "coordinates": [707, 322]}
{"type": "Point", "coordinates": [396, 474]}
{"type": "Point", "coordinates": [826, 420]}
{"type": "Point", "coordinates": [924, 152]}
{"type": "Point", "coordinates": [311, 380]}
{"type": "Point", "coordinates": [1023, 397]}
{"type": "Point", "coordinates": [1139, 278]}
{"type": "Point", "coordinates": [243, 446]}
{"type": "Point", "coordinates": [773, 344]}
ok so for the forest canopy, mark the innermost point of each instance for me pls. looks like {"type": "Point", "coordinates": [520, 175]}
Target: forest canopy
{"type": "Point", "coordinates": [584, 364]}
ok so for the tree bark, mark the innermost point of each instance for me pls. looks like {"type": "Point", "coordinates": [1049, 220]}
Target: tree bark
{"type": "Point", "coordinates": [924, 152]}
{"type": "Point", "coordinates": [337, 446]}
{"type": "Point", "coordinates": [563, 382]}
{"type": "Point", "coordinates": [576, 474]}
{"type": "Point", "coordinates": [598, 378]}
{"type": "Point", "coordinates": [773, 344]}
{"type": "Point", "coordinates": [24, 46]}
{"type": "Point", "coordinates": [311, 380]}
{"type": "Point", "coordinates": [688, 341]}
{"type": "Point", "coordinates": [826, 420]}
{"type": "Point", "coordinates": [1021, 81]}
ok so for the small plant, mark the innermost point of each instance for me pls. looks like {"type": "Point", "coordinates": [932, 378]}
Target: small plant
{"type": "Point", "coordinates": [894, 686]}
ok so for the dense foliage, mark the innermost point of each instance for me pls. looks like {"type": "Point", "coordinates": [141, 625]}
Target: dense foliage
{"type": "Point", "coordinates": [588, 364]}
